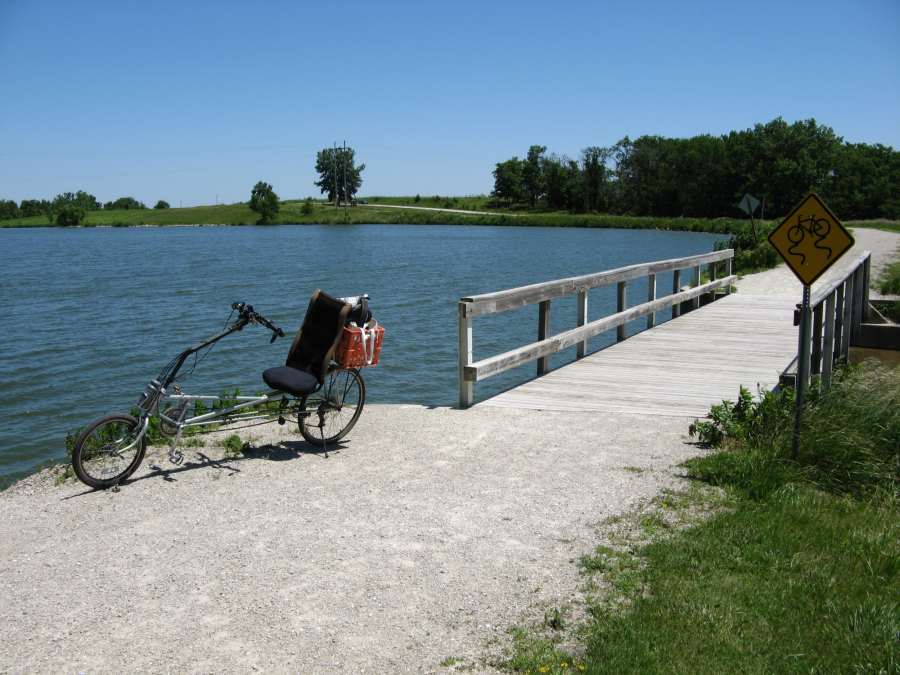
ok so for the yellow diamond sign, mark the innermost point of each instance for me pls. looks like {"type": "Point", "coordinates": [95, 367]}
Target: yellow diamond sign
{"type": "Point", "coordinates": [811, 239]}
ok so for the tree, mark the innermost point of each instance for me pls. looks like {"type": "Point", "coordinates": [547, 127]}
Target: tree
{"type": "Point", "coordinates": [508, 181]}
{"type": "Point", "coordinates": [126, 203]}
{"type": "Point", "coordinates": [307, 208]}
{"type": "Point", "coordinates": [161, 204]}
{"type": "Point", "coordinates": [8, 209]}
{"type": "Point", "coordinates": [555, 171]}
{"type": "Point", "coordinates": [595, 173]}
{"type": "Point", "coordinates": [81, 199]}
{"type": "Point", "coordinates": [69, 215]}
{"type": "Point", "coordinates": [264, 201]}
{"type": "Point", "coordinates": [34, 207]}
{"type": "Point", "coordinates": [533, 174]}
{"type": "Point", "coordinates": [339, 177]}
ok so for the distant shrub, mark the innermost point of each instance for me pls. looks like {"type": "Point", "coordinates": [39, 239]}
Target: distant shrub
{"type": "Point", "coordinates": [307, 208]}
{"type": "Point", "coordinates": [417, 199]}
{"type": "Point", "coordinates": [161, 204]}
{"type": "Point", "coordinates": [69, 216]}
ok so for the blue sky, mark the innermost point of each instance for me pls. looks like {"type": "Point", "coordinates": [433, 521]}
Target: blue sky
{"type": "Point", "coordinates": [186, 101]}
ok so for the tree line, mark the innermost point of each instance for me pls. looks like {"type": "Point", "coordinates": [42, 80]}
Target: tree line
{"type": "Point", "coordinates": [705, 176]}
{"type": "Point", "coordinates": [68, 208]}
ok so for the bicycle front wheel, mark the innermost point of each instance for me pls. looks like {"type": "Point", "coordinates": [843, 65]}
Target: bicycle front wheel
{"type": "Point", "coordinates": [330, 413]}
{"type": "Point", "coordinates": [108, 450]}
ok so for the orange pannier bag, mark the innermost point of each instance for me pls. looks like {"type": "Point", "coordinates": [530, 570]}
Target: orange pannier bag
{"type": "Point", "coordinates": [359, 347]}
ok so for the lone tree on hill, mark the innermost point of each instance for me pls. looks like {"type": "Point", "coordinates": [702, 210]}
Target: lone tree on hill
{"type": "Point", "coordinates": [264, 201]}
{"type": "Point", "coordinates": [161, 204]}
{"type": "Point", "coordinates": [338, 175]}
{"type": "Point", "coordinates": [124, 203]}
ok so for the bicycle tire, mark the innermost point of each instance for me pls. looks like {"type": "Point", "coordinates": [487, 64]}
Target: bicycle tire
{"type": "Point", "coordinates": [81, 460]}
{"type": "Point", "coordinates": [313, 425]}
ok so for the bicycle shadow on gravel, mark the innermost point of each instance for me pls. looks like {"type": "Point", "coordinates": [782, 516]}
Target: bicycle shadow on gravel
{"type": "Point", "coordinates": [273, 452]}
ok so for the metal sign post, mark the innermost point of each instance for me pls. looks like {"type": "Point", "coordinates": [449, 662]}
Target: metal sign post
{"type": "Point", "coordinates": [810, 239]}
{"type": "Point", "coordinates": [803, 349]}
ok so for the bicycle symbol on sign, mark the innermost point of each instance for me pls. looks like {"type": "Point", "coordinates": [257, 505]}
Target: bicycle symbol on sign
{"type": "Point", "coordinates": [816, 227]}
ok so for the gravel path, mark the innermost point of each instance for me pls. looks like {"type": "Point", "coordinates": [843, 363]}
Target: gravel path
{"type": "Point", "coordinates": [425, 537]}
{"type": "Point", "coordinates": [434, 208]}
{"type": "Point", "coordinates": [781, 281]}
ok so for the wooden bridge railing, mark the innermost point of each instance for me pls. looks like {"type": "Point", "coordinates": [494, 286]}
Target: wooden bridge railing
{"type": "Point", "coordinates": [837, 311]}
{"type": "Point", "coordinates": [542, 294]}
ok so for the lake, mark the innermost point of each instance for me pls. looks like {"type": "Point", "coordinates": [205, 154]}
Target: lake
{"type": "Point", "coordinates": [91, 315]}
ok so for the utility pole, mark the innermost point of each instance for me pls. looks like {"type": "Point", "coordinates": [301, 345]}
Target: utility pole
{"type": "Point", "coordinates": [334, 171]}
{"type": "Point", "coordinates": [346, 196]}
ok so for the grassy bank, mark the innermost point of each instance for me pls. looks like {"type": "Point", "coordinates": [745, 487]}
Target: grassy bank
{"type": "Point", "coordinates": [797, 569]}
{"type": "Point", "coordinates": [292, 212]}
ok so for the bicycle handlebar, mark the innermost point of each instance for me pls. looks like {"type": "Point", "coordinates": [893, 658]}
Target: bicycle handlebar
{"type": "Point", "coordinates": [247, 315]}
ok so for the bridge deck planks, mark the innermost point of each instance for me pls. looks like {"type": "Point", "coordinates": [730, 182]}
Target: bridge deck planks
{"type": "Point", "coordinates": [678, 368]}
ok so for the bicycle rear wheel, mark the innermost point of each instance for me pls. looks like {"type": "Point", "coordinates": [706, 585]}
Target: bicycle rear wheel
{"type": "Point", "coordinates": [108, 450]}
{"type": "Point", "coordinates": [334, 409]}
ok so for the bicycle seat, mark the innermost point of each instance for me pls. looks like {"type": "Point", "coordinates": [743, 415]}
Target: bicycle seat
{"type": "Point", "coordinates": [291, 380]}
{"type": "Point", "coordinates": [313, 349]}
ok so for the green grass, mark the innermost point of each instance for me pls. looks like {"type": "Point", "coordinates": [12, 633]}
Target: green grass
{"type": "Point", "coordinates": [240, 214]}
{"type": "Point", "coordinates": [233, 445]}
{"type": "Point", "coordinates": [794, 568]}
{"type": "Point", "coordinates": [889, 279]}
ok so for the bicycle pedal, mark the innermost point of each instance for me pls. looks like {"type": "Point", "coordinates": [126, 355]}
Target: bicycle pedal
{"type": "Point", "coordinates": [176, 457]}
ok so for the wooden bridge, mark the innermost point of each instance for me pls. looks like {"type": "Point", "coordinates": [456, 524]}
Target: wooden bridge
{"type": "Point", "coordinates": [716, 341]}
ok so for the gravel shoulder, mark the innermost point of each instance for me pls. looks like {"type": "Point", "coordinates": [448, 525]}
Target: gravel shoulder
{"type": "Point", "coordinates": [424, 537]}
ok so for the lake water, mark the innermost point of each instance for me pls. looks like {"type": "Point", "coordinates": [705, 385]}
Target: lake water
{"type": "Point", "coordinates": [90, 315]}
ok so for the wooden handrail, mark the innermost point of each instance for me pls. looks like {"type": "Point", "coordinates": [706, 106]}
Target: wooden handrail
{"type": "Point", "coordinates": [485, 368]}
{"type": "Point", "coordinates": [502, 301]}
{"type": "Point", "coordinates": [837, 311]}
{"type": "Point", "coordinates": [822, 294]}
{"type": "Point", "coordinates": [542, 294]}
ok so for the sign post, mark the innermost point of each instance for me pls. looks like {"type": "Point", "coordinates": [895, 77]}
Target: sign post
{"type": "Point", "coordinates": [810, 239]}
{"type": "Point", "coordinates": [803, 349]}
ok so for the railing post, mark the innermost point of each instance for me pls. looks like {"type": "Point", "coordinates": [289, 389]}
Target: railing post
{"type": "Point", "coordinates": [816, 366]}
{"type": "Point", "coordinates": [847, 328]}
{"type": "Point", "coordinates": [621, 306]}
{"type": "Point", "coordinates": [651, 296]}
{"type": "Point", "coordinates": [839, 322]}
{"type": "Point", "coordinates": [466, 387]}
{"type": "Point", "coordinates": [676, 287]}
{"type": "Point", "coordinates": [582, 319]}
{"type": "Point", "coordinates": [696, 300]}
{"type": "Point", "coordinates": [828, 345]}
{"type": "Point", "coordinates": [543, 364]}
{"type": "Point", "coordinates": [859, 295]}
{"type": "Point", "coordinates": [728, 274]}
{"type": "Point", "coordinates": [866, 281]}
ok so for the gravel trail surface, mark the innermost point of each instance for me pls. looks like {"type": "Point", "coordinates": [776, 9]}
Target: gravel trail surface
{"type": "Point", "coordinates": [781, 281]}
{"type": "Point", "coordinates": [426, 536]}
